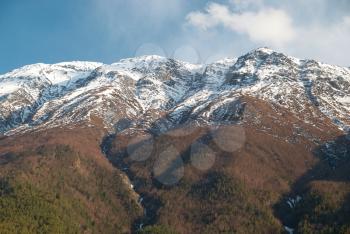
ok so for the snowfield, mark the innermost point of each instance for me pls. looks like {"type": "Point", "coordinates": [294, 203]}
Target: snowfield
{"type": "Point", "coordinates": [148, 88]}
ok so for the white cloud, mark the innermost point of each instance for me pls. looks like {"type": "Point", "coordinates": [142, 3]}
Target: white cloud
{"type": "Point", "coordinates": [317, 29]}
{"type": "Point", "coordinates": [267, 25]}
{"type": "Point", "coordinates": [328, 43]}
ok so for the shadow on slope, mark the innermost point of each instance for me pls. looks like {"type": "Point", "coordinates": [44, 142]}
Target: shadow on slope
{"type": "Point", "coordinates": [319, 201]}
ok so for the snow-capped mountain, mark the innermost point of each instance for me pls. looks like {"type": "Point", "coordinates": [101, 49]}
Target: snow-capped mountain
{"type": "Point", "coordinates": [159, 92]}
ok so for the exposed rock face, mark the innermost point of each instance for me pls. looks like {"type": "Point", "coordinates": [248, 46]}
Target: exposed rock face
{"type": "Point", "coordinates": [152, 90]}
{"type": "Point", "coordinates": [240, 145]}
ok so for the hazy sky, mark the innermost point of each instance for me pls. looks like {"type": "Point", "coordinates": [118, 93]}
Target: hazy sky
{"type": "Point", "coordinates": [50, 31]}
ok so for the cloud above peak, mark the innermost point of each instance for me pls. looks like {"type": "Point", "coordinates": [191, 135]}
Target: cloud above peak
{"type": "Point", "coordinates": [266, 25]}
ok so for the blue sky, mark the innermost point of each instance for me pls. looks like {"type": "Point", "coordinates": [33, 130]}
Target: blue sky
{"type": "Point", "coordinates": [49, 31]}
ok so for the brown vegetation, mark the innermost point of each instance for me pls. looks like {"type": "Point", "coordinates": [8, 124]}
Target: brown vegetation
{"type": "Point", "coordinates": [244, 191]}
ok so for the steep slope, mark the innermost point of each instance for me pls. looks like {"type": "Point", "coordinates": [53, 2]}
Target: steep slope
{"type": "Point", "coordinates": [62, 183]}
{"type": "Point", "coordinates": [23, 91]}
{"type": "Point", "coordinates": [148, 88]}
{"type": "Point", "coordinates": [209, 148]}
{"type": "Point", "coordinates": [228, 177]}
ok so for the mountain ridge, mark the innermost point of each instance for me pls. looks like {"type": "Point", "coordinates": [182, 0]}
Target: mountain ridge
{"type": "Point", "coordinates": [240, 145]}
{"type": "Point", "coordinates": [51, 95]}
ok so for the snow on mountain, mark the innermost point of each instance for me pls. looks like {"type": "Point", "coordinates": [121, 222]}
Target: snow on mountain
{"type": "Point", "coordinates": [23, 91]}
{"type": "Point", "coordinates": [155, 91]}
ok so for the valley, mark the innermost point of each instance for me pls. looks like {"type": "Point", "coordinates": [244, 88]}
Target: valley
{"type": "Point", "coordinates": [255, 144]}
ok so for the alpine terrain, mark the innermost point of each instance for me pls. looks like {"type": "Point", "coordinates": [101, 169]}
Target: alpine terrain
{"type": "Point", "coordinates": [255, 144]}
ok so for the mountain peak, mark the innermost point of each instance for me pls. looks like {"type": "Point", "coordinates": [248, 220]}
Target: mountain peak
{"type": "Point", "coordinates": [66, 93]}
{"type": "Point", "coordinates": [143, 59]}
{"type": "Point", "coordinates": [264, 50]}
